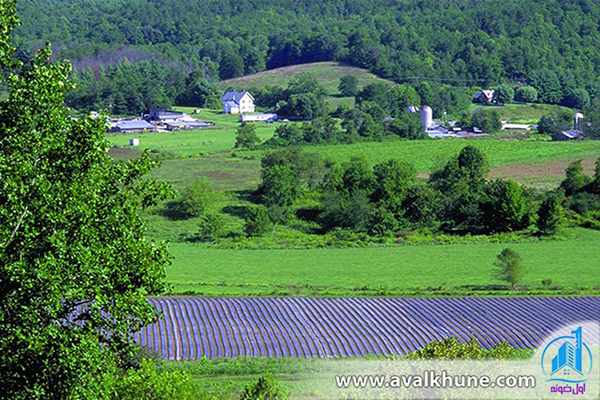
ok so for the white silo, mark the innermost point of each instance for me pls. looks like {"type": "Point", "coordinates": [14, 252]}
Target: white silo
{"type": "Point", "coordinates": [426, 115]}
{"type": "Point", "coordinates": [577, 120]}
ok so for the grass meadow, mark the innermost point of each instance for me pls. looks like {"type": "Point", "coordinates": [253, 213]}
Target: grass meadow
{"type": "Point", "coordinates": [570, 262]}
{"type": "Point", "coordinates": [226, 378]}
{"type": "Point", "coordinates": [424, 154]}
{"type": "Point", "coordinates": [328, 74]}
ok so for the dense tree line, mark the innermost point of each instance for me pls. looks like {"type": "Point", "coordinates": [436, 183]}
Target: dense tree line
{"type": "Point", "coordinates": [127, 88]}
{"type": "Point", "coordinates": [387, 198]}
{"type": "Point", "coordinates": [551, 46]}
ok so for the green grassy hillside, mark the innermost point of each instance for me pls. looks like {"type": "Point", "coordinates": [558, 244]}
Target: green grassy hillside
{"type": "Point", "coordinates": [524, 113]}
{"type": "Point", "coordinates": [327, 74]}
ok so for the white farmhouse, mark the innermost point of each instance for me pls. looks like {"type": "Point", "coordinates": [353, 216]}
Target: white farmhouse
{"type": "Point", "coordinates": [238, 102]}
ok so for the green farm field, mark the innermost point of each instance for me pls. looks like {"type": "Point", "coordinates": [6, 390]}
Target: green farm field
{"type": "Point", "coordinates": [459, 269]}
{"type": "Point", "coordinates": [226, 378]}
{"type": "Point", "coordinates": [424, 154]}
{"type": "Point", "coordinates": [398, 270]}
{"type": "Point", "coordinates": [540, 164]}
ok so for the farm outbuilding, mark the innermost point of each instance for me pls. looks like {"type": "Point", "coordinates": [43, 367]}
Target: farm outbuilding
{"type": "Point", "coordinates": [568, 135]}
{"type": "Point", "coordinates": [133, 126]}
{"type": "Point", "coordinates": [162, 116]}
{"type": "Point", "coordinates": [178, 125]}
{"type": "Point", "coordinates": [269, 117]}
{"type": "Point", "coordinates": [516, 127]}
{"type": "Point", "coordinates": [426, 114]}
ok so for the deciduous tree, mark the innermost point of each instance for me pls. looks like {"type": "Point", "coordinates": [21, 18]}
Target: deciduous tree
{"type": "Point", "coordinates": [504, 94]}
{"type": "Point", "coordinates": [528, 94]}
{"type": "Point", "coordinates": [246, 137]}
{"type": "Point", "coordinates": [509, 267]}
{"type": "Point", "coordinates": [75, 266]}
{"type": "Point", "coordinates": [550, 213]}
{"type": "Point", "coordinates": [348, 85]}
{"type": "Point", "coordinates": [575, 179]}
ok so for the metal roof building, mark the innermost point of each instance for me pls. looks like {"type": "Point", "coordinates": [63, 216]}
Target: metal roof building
{"type": "Point", "coordinates": [133, 126]}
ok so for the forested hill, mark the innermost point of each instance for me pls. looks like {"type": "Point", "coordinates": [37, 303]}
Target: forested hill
{"type": "Point", "coordinates": [449, 39]}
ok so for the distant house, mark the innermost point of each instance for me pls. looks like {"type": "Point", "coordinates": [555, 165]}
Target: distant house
{"type": "Point", "coordinates": [485, 97]}
{"type": "Point", "coordinates": [133, 126]}
{"type": "Point", "coordinates": [161, 116]}
{"type": "Point", "coordinates": [258, 117]}
{"type": "Point", "coordinates": [238, 102]}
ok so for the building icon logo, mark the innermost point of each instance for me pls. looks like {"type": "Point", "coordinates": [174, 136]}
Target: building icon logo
{"type": "Point", "coordinates": [567, 359]}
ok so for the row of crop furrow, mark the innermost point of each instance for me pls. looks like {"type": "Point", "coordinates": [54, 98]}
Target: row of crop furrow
{"type": "Point", "coordinates": [351, 327]}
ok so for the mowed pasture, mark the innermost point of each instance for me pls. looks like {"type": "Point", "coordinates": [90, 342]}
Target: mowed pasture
{"type": "Point", "coordinates": [187, 143]}
{"type": "Point", "coordinates": [395, 270]}
{"type": "Point", "coordinates": [424, 154]}
{"type": "Point", "coordinates": [328, 74]}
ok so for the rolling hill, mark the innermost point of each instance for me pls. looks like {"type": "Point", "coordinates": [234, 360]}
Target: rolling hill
{"type": "Point", "coordinates": [327, 73]}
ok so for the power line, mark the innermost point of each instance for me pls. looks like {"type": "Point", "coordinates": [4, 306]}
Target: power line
{"type": "Point", "coordinates": [418, 78]}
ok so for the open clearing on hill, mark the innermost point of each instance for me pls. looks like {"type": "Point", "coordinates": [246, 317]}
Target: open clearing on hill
{"type": "Point", "coordinates": [326, 73]}
{"type": "Point", "coordinates": [529, 113]}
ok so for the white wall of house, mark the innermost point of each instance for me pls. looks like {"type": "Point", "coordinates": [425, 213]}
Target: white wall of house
{"type": "Point", "coordinates": [245, 104]}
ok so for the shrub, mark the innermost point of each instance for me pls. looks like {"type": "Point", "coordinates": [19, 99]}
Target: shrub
{"type": "Point", "coordinates": [528, 94]}
{"type": "Point", "coordinates": [257, 221]}
{"type": "Point", "coordinates": [265, 388]}
{"type": "Point", "coordinates": [194, 200]}
{"type": "Point", "coordinates": [210, 228]}
{"type": "Point", "coordinates": [348, 85]}
{"type": "Point", "coordinates": [583, 203]}
{"type": "Point", "coordinates": [451, 348]}
{"type": "Point", "coordinates": [551, 214]}
{"type": "Point", "coordinates": [147, 382]}
{"type": "Point", "coordinates": [246, 137]}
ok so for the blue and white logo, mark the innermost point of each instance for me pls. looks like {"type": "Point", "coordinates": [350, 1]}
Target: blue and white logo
{"type": "Point", "coordinates": [567, 359]}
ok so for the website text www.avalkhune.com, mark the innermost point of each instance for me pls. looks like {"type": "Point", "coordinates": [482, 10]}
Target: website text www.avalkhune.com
{"type": "Point", "coordinates": [432, 379]}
